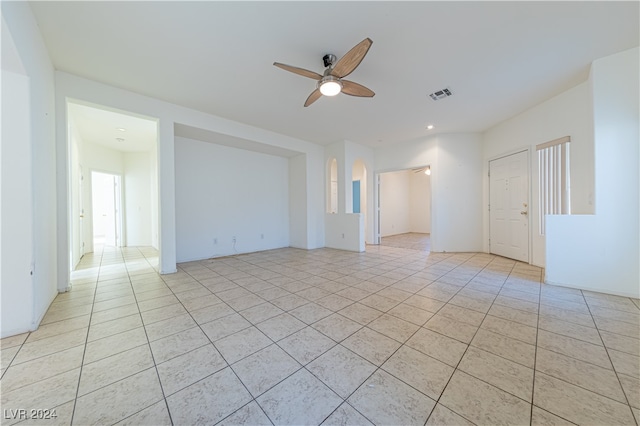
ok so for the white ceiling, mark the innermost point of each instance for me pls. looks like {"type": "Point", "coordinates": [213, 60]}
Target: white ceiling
{"type": "Point", "coordinates": [111, 129]}
{"type": "Point", "coordinates": [498, 58]}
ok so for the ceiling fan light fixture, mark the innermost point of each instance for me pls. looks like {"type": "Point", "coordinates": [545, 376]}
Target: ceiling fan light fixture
{"type": "Point", "coordinates": [330, 85]}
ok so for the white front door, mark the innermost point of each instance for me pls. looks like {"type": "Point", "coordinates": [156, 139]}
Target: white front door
{"type": "Point", "coordinates": [508, 207]}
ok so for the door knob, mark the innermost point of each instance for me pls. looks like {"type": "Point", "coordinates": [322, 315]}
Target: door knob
{"type": "Point", "coordinates": [524, 212]}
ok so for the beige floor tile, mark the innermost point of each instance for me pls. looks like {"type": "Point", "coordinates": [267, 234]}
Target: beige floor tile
{"type": "Point", "coordinates": [109, 370]}
{"type": "Point", "coordinates": [578, 405]}
{"type": "Point", "coordinates": [426, 374]}
{"type": "Point", "coordinates": [50, 345]}
{"type": "Point", "coordinates": [159, 314]}
{"type": "Point", "coordinates": [57, 328]}
{"type": "Point", "coordinates": [371, 345]}
{"type": "Point", "coordinates": [112, 345]}
{"type": "Point", "coordinates": [625, 363]}
{"type": "Point", "coordinates": [589, 376]}
{"type": "Point", "coordinates": [540, 417]}
{"type": "Point", "coordinates": [41, 368]}
{"type": "Point", "coordinates": [337, 327]}
{"type": "Point", "coordinates": [421, 302]}
{"type": "Point", "coordinates": [463, 315]}
{"type": "Point", "coordinates": [148, 294]}
{"type": "Point", "coordinates": [574, 348]}
{"type": "Point", "coordinates": [242, 344]}
{"type": "Point", "coordinates": [618, 327]}
{"type": "Point", "coordinates": [334, 302]}
{"type": "Point", "coordinates": [393, 327]}
{"type": "Point", "coordinates": [506, 347]}
{"type": "Point", "coordinates": [7, 355]}
{"type": "Point", "coordinates": [289, 302]}
{"type": "Point", "coordinates": [300, 399]}
{"type": "Point", "coordinates": [342, 370]}
{"type": "Point", "coordinates": [250, 414]}
{"type": "Point", "coordinates": [411, 314]}
{"type": "Point", "coordinates": [387, 400]}
{"type": "Point", "coordinates": [109, 328]}
{"type": "Point", "coordinates": [225, 326]}
{"type": "Point", "coordinates": [201, 302]}
{"type": "Point", "coordinates": [509, 329]}
{"type": "Point", "coordinates": [451, 328]}
{"type": "Point", "coordinates": [621, 343]}
{"type": "Point", "coordinates": [261, 312]}
{"type": "Point", "coordinates": [45, 394]}
{"type": "Point", "coordinates": [354, 293]}
{"type": "Point", "coordinates": [499, 372]}
{"type": "Point", "coordinates": [211, 313]}
{"type": "Point", "coordinates": [442, 416]}
{"type": "Point", "coordinates": [280, 326]}
{"type": "Point", "coordinates": [479, 305]}
{"type": "Point", "coordinates": [360, 313]}
{"type": "Point", "coordinates": [512, 314]}
{"type": "Point", "coordinates": [184, 370]}
{"type": "Point", "coordinates": [438, 346]}
{"type": "Point", "coordinates": [482, 403]}
{"type": "Point", "coordinates": [379, 303]}
{"type": "Point", "coordinates": [272, 293]}
{"type": "Point", "coordinates": [310, 313]}
{"type": "Point", "coordinates": [346, 415]}
{"type": "Point", "coordinates": [553, 312]}
{"type": "Point", "coordinates": [631, 387]}
{"type": "Point", "coordinates": [155, 415]}
{"type": "Point", "coordinates": [575, 306]}
{"type": "Point", "coordinates": [264, 369]}
{"type": "Point", "coordinates": [113, 303]}
{"type": "Point", "coordinates": [177, 344]}
{"type": "Point", "coordinates": [306, 345]}
{"type": "Point", "coordinates": [209, 400]}
{"type": "Point", "coordinates": [170, 326]}
{"type": "Point", "coordinates": [157, 302]}
{"type": "Point", "coordinates": [245, 302]}
{"type": "Point", "coordinates": [12, 341]}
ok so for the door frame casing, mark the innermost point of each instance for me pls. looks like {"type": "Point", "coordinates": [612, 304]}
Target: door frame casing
{"type": "Point", "coordinates": [529, 151]}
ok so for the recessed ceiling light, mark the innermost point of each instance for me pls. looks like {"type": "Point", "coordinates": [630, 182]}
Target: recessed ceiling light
{"type": "Point", "coordinates": [121, 129]}
{"type": "Point", "coordinates": [120, 139]}
{"type": "Point", "coordinates": [430, 126]}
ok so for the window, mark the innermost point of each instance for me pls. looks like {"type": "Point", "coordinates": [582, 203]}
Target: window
{"type": "Point", "coordinates": [553, 172]}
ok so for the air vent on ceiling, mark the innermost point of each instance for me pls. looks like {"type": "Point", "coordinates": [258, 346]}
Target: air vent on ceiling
{"type": "Point", "coordinates": [441, 94]}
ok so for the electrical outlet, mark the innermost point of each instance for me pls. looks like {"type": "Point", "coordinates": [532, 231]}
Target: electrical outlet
{"type": "Point", "coordinates": [342, 235]}
{"type": "Point", "coordinates": [233, 240]}
{"type": "Point", "coordinates": [215, 241]}
{"type": "Point", "coordinates": [262, 236]}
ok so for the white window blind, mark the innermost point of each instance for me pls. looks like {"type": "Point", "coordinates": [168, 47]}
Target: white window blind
{"type": "Point", "coordinates": [553, 172]}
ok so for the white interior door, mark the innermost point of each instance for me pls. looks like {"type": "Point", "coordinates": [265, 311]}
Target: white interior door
{"type": "Point", "coordinates": [508, 207]}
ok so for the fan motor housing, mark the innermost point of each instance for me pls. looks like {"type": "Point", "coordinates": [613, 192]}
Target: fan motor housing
{"type": "Point", "coordinates": [329, 59]}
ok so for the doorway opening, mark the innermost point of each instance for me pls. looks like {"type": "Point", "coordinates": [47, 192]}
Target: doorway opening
{"type": "Point", "coordinates": [106, 196]}
{"type": "Point", "coordinates": [113, 181]}
{"type": "Point", "coordinates": [404, 208]}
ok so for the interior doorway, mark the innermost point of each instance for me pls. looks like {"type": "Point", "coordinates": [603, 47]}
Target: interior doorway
{"type": "Point", "coordinates": [509, 206]}
{"type": "Point", "coordinates": [106, 196]}
{"type": "Point", "coordinates": [113, 180]}
{"type": "Point", "coordinates": [404, 208]}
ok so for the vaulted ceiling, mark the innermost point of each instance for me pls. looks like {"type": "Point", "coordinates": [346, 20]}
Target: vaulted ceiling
{"type": "Point", "coordinates": [498, 58]}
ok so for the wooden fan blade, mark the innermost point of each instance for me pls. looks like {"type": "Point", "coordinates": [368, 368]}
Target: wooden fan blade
{"type": "Point", "coordinates": [314, 96]}
{"type": "Point", "coordinates": [355, 89]}
{"type": "Point", "coordinates": [352, 59]}
{"type": "Point", "coordinates": [299, 71]}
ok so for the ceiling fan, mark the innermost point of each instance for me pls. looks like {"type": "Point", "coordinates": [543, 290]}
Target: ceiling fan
{"type": "Point", "coordinates": [331, 82]}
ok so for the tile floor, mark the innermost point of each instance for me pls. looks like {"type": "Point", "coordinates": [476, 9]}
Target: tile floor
{"type": "Point", "coordinates": [410, 240]}
{"type": "Point", "coordinates": [393, 336]}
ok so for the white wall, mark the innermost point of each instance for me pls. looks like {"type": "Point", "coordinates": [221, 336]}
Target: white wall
{"type": "Point", "coordinates": [40, 136]}
{"type": "Point", "coordinates": [16, 232]}
{"type": "Point", "coordinates": [420, 202]}
{"type": "Point", "coordinates": [345, 231]}
{"type": "Point", "coordinates": [137, 198]}
{"type": "Point", "coordinates": [297, 201]}
{"type": "Point", "coordinates": [224, 192]}
{"type": "Point", "coordinates": [602, 252]}
{"type": "Point", "coordinates": [395, 196]}
{"type": "Point", "coordinates": [567, 114]}
{"type": "Point", "coordinates": [456, 185]}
